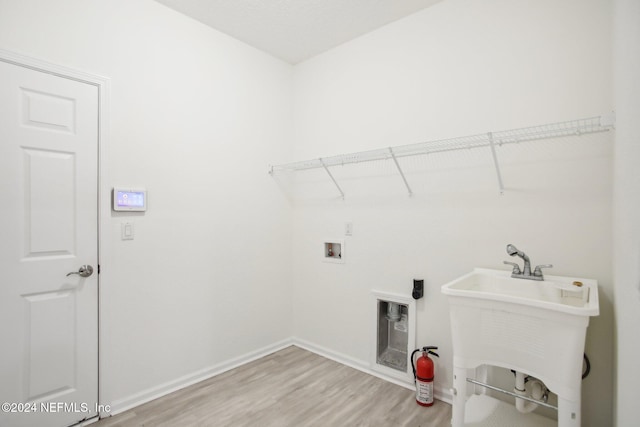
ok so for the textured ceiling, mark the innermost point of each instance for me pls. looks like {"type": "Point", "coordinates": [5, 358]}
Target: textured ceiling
{"type": "Point", "coordinates": [295, 30]}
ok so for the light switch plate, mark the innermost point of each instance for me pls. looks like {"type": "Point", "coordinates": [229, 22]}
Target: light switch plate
{"type": "Point", "coordinates": [348, 228]}
{"type": "Point", "coordinates": [127, 230]}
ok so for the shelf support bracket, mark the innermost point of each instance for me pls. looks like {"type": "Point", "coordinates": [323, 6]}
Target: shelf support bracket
{"type": "Point", "coordinates": [495, 162]}
{"type": "Point", "coordinates": [393, 156]}
{"type": "Point", "coordinates": [510, 393]}
{"type": "Point", "coordinates": [332, 178]}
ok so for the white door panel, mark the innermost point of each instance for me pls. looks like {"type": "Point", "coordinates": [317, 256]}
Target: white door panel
{"type": "Point", "coordinates": [48, 228]}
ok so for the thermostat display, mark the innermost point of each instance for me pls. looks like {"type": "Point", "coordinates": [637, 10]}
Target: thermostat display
{"type": "Point", "coordinates": [129, 200]}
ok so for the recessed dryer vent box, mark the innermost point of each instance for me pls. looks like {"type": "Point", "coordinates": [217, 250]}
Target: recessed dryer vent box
{"type": "Point", "coordinates": [333, 251]}
{"type": "Point", "coordinates": [393, 335]}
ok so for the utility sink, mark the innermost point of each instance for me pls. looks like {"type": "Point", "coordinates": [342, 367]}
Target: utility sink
{"type": "Point", "coordinates": [535, 327]}
{"type": "Point", "coordinates": [569, 295]}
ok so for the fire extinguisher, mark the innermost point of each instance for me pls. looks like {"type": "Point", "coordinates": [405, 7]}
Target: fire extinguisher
{"type": "Point", "coordinates": [423, 375]}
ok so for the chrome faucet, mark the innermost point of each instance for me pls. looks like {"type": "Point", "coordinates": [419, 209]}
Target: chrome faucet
{"type": "Point", "coordinates": [526, 269]}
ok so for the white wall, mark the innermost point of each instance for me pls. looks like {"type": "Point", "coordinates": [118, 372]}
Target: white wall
{"type": "Point", "coordinates": [626, 260]}
{"type": "Point", "coordinates": [457, 68]}
{"type": "Point", "coordinates": [196, 119]}
{"type": "Point", "coordinates": [200, 115]}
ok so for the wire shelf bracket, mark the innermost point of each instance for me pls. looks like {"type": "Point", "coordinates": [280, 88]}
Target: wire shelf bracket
{"type": "Point", "coordinates": [393, 156]}
{"type": "Point", "coordinates": [495, 162]}
{"type": "Point", "coordinates": [489, 140]}
{"type": "Point", "coordinates": [332, 178]}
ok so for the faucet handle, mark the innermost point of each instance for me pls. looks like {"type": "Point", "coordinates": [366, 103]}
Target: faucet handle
{"type": "Point", "coordinates": [516, 267]}
{"type": "Point", "coordinates": [538, 270]}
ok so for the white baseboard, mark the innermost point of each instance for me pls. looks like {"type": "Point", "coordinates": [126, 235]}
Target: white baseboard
{"type": "Point", "coordinates": [360, 365]}
{"type": "Point", "coordinates": [88, 422]}
{"type": "Point", "coordinates": [363, 366]}
{"type": "Point", "coordinates": [443, 394]}
{"type": "Point", "coordinates": [145, 396]}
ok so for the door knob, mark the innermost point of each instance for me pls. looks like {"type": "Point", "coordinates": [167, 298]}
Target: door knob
{"type": "Point", "coordinates": [84, 271]}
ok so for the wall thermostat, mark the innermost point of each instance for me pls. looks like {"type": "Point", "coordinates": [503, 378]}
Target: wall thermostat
{"type": "Point", "coordinates": [129, 199]}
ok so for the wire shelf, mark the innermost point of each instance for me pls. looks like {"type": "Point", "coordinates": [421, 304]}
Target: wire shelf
{"type": "Point", "coordinates": [483, 140]}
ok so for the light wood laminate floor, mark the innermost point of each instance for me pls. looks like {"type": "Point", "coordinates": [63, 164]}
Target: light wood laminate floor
{"type": "Point", "coordinates": [292, 387]}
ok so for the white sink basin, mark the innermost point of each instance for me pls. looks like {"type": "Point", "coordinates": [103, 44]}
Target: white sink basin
{"type": "Point", "coordinates": [536, 327]}
{"type": "Point", "coordinates": [555, 293]}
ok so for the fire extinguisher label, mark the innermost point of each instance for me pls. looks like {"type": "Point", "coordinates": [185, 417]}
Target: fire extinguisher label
{"type": "Point", "coordinates": [424, 392]}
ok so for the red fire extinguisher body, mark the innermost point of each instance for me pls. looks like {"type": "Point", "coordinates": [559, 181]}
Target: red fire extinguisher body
{"type": "Point", "coordinates": [423, 373]}
{"type": "Point", "coordinates": [424, 380]}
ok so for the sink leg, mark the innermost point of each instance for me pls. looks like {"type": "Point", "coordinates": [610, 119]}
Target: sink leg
{"type": "Point", "coordinates": [568, 412]}
{"type": "Point", "coordinates": [459, 396]}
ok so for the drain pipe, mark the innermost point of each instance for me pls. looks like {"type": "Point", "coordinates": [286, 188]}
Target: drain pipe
{"type": "Point", "coordinates": [537, 393]}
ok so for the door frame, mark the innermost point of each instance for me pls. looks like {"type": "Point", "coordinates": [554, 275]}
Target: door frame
{"type": "Point", "coordinates": [103, 84]}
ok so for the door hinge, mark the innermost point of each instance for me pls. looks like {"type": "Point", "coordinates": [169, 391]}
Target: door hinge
{"type": "Point", "coordinates": [98, 268]}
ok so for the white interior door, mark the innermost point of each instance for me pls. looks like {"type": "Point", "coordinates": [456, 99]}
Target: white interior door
{"type": "Point", "coordinates": [48, 228]}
